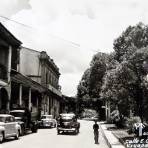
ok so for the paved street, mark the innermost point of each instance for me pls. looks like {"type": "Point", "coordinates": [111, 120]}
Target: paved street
{"type": "Point", "coordinates": [49, 138]}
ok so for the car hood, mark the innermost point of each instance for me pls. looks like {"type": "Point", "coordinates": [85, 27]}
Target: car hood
{"type": "Point", "coordinates": [2, 123]}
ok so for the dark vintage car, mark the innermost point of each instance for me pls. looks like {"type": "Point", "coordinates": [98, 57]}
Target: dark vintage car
{"type": "Point", "coordinates": [26, 119]}
{"type": "Point", "coordinates": [68, 123]}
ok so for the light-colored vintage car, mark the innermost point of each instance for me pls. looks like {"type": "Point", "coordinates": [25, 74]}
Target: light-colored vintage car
{"type": "Point", "coordinates": [8, 127]}
{"type": "Point", "coordinates": [47, 121]}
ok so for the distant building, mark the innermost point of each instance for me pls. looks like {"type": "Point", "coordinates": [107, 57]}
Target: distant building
{"type": "Point", "coordinates": [41, 68]}
{"type": "Point", "coordinates": [9, 47]}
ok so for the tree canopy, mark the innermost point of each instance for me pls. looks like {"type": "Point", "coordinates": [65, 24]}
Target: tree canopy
{"type": "Point", "coordinates": [121, 76]}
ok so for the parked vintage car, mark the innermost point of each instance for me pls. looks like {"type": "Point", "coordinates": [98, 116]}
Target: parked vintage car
{"type": "Point", "coordinates": [8, 127]}
{"type": "Point", "coordinates": [68, 123]}
{"type": "Point", "coordinates": [26, 119]}
{"type": "Point", "coordinates": [48, 121]}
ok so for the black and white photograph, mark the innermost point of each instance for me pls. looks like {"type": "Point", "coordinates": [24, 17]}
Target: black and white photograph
{"type": "Point", "coordinates": [73, 74]}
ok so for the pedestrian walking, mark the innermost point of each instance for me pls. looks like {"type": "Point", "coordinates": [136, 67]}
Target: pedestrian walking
{"type": "Point", "coordinates": [96, 132]}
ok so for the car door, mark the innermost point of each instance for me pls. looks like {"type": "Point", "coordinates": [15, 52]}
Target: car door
{"type": "Point", "coordinates": [8, 126]}
{"type": "Point", "coordinates": [13, 125]}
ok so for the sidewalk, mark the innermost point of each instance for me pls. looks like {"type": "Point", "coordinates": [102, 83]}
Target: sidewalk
{"type": "Point", "coordinates": [111, 140]}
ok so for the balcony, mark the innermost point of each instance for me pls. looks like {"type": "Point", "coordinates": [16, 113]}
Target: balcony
{"type": "Point", "coordinates": [3, 72]}
{"type": "Point", "coordinates": [54, 90]}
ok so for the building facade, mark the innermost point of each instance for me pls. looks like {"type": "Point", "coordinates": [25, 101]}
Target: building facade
{"type": "Point", "coordinates": [9, 47]}
{"type": "Point", "coordinates": [41, 68]}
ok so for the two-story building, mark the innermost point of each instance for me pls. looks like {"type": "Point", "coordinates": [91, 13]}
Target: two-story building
{"type": "Point", "coordinates": [41, 68]}
{"type": "Point", "coordinates": [9, 47]}
{"type": "Point", "coordinates": [28, 78]}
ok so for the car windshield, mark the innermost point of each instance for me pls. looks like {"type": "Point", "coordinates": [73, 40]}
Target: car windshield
{"type": "Point", "coordinates": [67, 118]}
{"type": "Point", "coordinates": [17, 114]}
{"type": "Point", "coordinates": [46, 117]}
{"type": "Point", "coordinates": [2, 119]}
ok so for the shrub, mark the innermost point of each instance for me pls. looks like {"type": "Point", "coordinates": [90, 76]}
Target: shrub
{"type": "Point", "coordinates": [130, 123]}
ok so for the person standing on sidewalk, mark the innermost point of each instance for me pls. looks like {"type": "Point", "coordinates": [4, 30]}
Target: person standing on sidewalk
{"type": "Point", "coordinates": [96, 132]}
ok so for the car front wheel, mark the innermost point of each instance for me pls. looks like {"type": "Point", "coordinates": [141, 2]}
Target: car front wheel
{"type": "Point", "coordinates": [17, 135]}
{"type": "Point", "coordinates": [2, 137]}
{"type": "Point", "coordinates": [76, 131]}
{"type": "Point", "coordinates": [58, 132]}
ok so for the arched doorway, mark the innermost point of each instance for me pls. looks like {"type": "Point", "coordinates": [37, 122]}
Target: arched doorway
{"type": "Point", "coordinates": [3, 99]}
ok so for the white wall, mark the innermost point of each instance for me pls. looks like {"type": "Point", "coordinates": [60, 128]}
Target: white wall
{"type": "Point", "coordinates": [29, 63]}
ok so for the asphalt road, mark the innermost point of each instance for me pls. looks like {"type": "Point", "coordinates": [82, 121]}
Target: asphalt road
{"type": "Point", "coordinates": [48, 138]}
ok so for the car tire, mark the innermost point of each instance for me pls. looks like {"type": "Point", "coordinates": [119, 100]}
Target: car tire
{"type": "Point", "coordinates": [23, 132]}
{"type": "Point", "coordinates": [17, 135]}
{"type": "Point", "coordinates": [2, 137]}
{"type": "Point", "coordinates": [58, 132]}
{"type": "Point", "coordinates": [34, 129]}
{"type": "Point", "coordinates": [76, 131]}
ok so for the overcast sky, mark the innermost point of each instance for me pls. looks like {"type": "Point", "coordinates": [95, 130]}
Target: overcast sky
{"type": "Point", "coordinates": [71, 31]}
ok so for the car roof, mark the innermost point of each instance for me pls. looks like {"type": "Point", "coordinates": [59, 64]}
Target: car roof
{"type": "Point", "coordinates": [5, 115]}
{"type": "Point", "coordinates": [22, 111]}
{"type": "Point", "coordinates": [67, 114]}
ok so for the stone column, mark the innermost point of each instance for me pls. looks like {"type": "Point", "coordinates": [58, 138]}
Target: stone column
{"type": "Point", "coordinates": [30, 99]}
{"type": "Point", "coordinates": [8, 76]}
{"type": "Point", "coordinates": [20, 95]}
{"type": "Point", "coordinates": [9, 63]}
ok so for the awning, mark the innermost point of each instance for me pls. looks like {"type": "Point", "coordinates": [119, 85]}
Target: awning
{"type": "Point", "coordinates": [26, 81]}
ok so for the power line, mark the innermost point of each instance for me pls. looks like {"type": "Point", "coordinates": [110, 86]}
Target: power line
{"type": "Point", "coordinates": [30, 27]}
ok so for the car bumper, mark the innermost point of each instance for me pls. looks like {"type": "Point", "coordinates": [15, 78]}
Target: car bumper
{"type": "Point", "coordinates": [46, 125]}
{"type": "Point", "coordinates": [66, 129]}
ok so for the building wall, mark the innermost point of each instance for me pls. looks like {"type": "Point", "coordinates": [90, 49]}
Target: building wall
{"type": "Point", "coordinates": [48, 73]}
{"type": "Point", "coordinates": [3, 62]}
{"type": "Point", "coordinates": [3, 56]}
{"type": "Point", "coordinates": [30, 64]}
{"type": "Point", "coordinates": [38, 66]}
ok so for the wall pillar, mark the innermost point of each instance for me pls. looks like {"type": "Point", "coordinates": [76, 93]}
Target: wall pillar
{"type": "Point", "coordinates": [30, 99]}
{"type": "Point", "coordinates": [8, 77]}
{"type": "Point", "coordinates": [106, 114]}
{"type": "Point", "coordinates": [9, 63]}
{"type": "Point", "coordinates": [20, 95]}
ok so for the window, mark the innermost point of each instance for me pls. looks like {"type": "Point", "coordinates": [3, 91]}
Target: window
{"type": "Point", "coordinates": [12, 119]}
{"type": "Point", "coordinates": [8, 119]}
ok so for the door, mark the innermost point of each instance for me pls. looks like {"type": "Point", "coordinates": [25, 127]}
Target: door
{"type": "Point", "coordinates": [13, 125]}
{"type": "Point", "coordinates": [8, 126]}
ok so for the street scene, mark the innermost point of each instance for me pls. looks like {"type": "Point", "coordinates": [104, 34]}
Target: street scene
{"type": "Point", "coordinates": [73, 74]}
{"type": "Point", "coordinates": [49, 137]}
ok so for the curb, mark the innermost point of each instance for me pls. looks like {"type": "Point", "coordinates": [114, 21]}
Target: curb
{"type": "Point", "coordinates": [110, 139]}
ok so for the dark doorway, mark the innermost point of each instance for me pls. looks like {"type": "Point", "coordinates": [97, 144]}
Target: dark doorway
{"type": "Point", "coordinates": [3, 99]}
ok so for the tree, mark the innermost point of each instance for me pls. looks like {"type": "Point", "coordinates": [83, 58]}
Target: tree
{"type": "Point", "coordinates": [125, 85]}
{"type": "Point", "coordinates": [98, 68]}
{"type": "Point", "coordinates": [116, 87]}
{"type": "Point", "coordinates": [83, 91]}
{"type": "Point", "coordinates": [83, 87]}
{"type": "Point", "coordinates": [137, 63]}
{"type": "Point", "coordinates": [133, 36]}
{"type": "Point", "coordinates": [90, 85]}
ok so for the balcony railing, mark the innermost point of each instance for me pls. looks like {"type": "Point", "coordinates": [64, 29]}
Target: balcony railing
{"type": "Point", "coordinates": [3, 72]}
